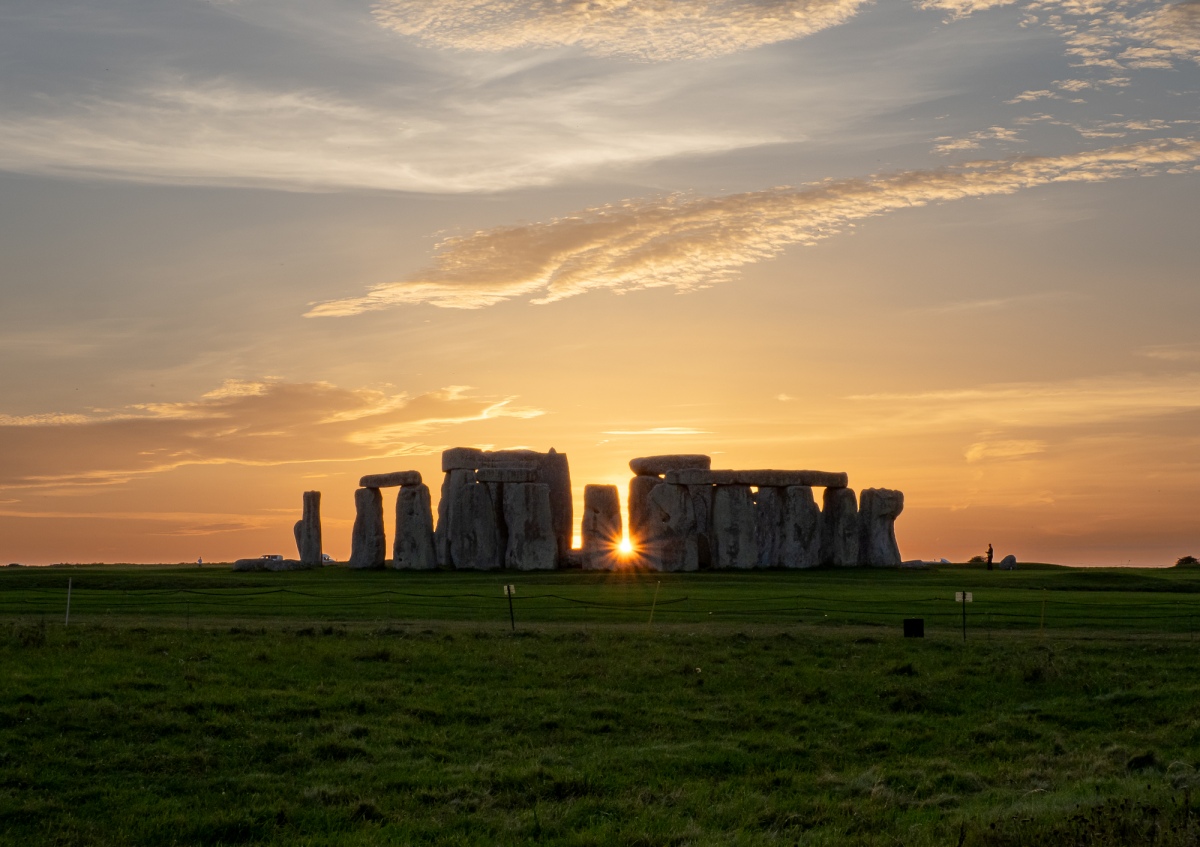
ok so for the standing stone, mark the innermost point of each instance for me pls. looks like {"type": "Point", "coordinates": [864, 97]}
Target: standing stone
{"type": "Point", "coordinates": [702, 507]}
{"type": "Point", "coordinates": [735, 543]}
{"type": "Point", "coordinates": [768, 517]}
{"type": "Point", "coordinates": [308, 530]}
{"type": "Point", "coordinates": [474, 531]}
{"type": "Point", "coordinates": [839, 528]}
{"type": "Point", "coordinates": [455, 480]}
{"type": "Point", "coordinates": [641, 529]}
{"type": "Point", "coordinates": [801, 528]}
{"type": "Point", "coordinates": [1008, 563]}
{"type": "Point", "coordinates": [532, 545]}
{"type": "Point", "coordinates": [674, 546]}
{"type": "Point", "coordinates": [414, 548]}
{"type": "Point", "coordinates": [600, 530]}
{"type": "Point", "coordinates": [298, 531]}
{"type": "Point", "coordinates": [368, 547]}
{"type": "Point", "coordinates": [877, 512]}
{"type": "Point", "coordinates": [554, 471]}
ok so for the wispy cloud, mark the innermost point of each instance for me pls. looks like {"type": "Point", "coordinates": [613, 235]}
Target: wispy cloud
{"type": "Point", "coordinates": [259, 423]}
{"type": "Point", "coordinates": [688, 243]}
{"type": "Point", "coordinates": [649, 29]}
{"type": "Point", "coordinates": [234, 133]}
{"type": "Point", "coordinates": [1042, 404]}
{"type": "Point", "coordinates": [1003, 450]}
{"type": "Point", "coordinates": [659, 430]}
{"type": "Point", "coordinates": [1184, 352]}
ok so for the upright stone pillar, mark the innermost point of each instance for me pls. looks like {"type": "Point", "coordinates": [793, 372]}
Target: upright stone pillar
{"type": "Point", "coordinates": [528, 514]}
{"type": "Point", "coordinates": [674, 547]}
{"type": "Point", "coordinates": [768, 518]}
{"type": "Point", "coordinates": [474, 530]}
{"type": "Point", "coordinates": [735, 541]}
{"type": "Point", "coordinates": [801, 528]}
{"type": "Point", "coordinates": [641, 527]}
{"type": "Point", "coordinates": [308, 531]}
{"type": "Point", "coordinates": [555, 472]}
{"type": "Point", "coordinates": [702, 507]}
{"type": "Point", "coordinates": [414, 548]}
{"type": "Point", "coordinates": [877, 513]}
{"type": "Point", "coordinates": [456, 480]}
{"type": "Point", "coordinates": [600, 530]}
{"type": "Point", "coordinates": [839, 528]}
{"type": "Point", "coordinates": [368, 546]}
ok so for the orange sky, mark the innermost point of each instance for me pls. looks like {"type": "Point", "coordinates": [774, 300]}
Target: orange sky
{"type": "Point", "coordinates": [946, 246]}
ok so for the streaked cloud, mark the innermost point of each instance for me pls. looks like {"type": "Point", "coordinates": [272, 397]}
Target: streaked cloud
{"type": "Point", "coordinates": [1122, 397]}
{"type": "Point", "coordinates": [257, 423]}
{"type": "Point", "coordinates": [1185, 352]}
{"type": "Point", "coordinates": [1003, 450]}
{"type": "Point", "coordinates": [659, 430]}
{"type": "Point", "coordinates": [654, 30]}
{"type": "Point", "coordinates": [688, 243]}
{"type": "Point", "coordinates": [231, 132]}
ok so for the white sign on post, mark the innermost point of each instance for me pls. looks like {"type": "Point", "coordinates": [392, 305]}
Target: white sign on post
{"type": "Point", "coordinates": [963, 597]}
{"type": "Point", "coordinates": [510, 590]}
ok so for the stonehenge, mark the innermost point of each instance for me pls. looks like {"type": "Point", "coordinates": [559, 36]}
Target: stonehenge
{"type": "Point", "coordinates": [367, 544]}
{"type": "Point", "coordinates": [308, 530]}
{"type": "Point", "coordinates": [600, 530]}
{"type": "Point", "coordinates": [878, 509]}
{"type": "Point", "coordinates": [512, 509]}
{"type": "Point", "coordinates": [414, 548]}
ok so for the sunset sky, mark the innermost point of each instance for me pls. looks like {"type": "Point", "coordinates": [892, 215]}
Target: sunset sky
{"type": "Point", "coordinates": [254, 247]}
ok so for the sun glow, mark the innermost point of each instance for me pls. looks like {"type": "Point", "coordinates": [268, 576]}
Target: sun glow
{"type": "Point", "coordinates": [625, 547]}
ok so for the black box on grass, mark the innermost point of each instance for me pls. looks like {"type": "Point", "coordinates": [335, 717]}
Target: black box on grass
{"type": "Point", "coordinates": [914, 627]}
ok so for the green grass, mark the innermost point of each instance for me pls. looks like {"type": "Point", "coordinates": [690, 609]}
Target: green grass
{"type": "Point", "coordinates": [589, 726]}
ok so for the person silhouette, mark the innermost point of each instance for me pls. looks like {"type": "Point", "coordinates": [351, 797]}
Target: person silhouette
{"type": "Point", "coordinates": [989, 557]}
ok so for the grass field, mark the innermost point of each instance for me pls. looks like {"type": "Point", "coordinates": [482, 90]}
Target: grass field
{"type": "Point", "coordinates": [392, 708]}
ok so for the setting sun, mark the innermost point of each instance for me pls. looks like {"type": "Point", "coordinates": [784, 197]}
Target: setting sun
{"type": "Point", "coordinates": [625, 547]}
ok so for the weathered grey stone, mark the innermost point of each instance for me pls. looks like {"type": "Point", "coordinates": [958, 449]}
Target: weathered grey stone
{"type": "Point", "coordinates": [297, 529]}
{"type": "Point", "coordinates": [801, 528]}
{"type": "Point", "coordinates": [1008, 563]}
{"type": "Point", "coordinates": [758, 478]}
{"type": "Point", "coordinates": [735, 543]}
{"type": "Point", "coordinates": [511, 459]}
{"type": "Point", "coordinates": [878, 509]}
{"type": "Point", "coordinates": [639, 516]}
{"type": "Point", "coordinates": [474, 535]}
{"type": "Point", "coordinates": [506, 475]}
{"type": "Point", "coordinates": [600, 529]}
{"type": "Point", "coordinates": [413, 548]}
{"type": "Point", "coordinates": [555, 471]}
{"type": "Point", "coordinates": [702, 508]}
{"type": "Point", "coordinates": [659, 465]}
{"type": "Point", "coordinates": [672, 544]}
{"type": "Point", "coordinates": [768, 521]}
{"type": "Point", "coordinates": [286, 565]}
{"type": "Point", "coordinates": [451, 484]}
{"type": "Point", "coordinates": [461, 459]}
{"type": "Point", "coordinates": [839, 528]}
{"type": "Point", "coordinates": [308, 530]}
{"type": "Point", "coordinates": [527, 513]}
{"type": "Point", "coordinates": [390, 480]}
{"type": "Point", "coordinates": [368, 546]}
{"type": "Point", "coordinates": [260, 564]}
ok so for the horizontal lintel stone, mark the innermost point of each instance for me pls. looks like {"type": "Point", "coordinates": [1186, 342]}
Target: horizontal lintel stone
{"type": "Point", "coordinates": [759, 478]}
{"type": "Point", "coordinates": [390, 480]}
{"type": "Point", "coordinates": [659, 465]}
{"type": "Point", "coordinates": [503, 474]}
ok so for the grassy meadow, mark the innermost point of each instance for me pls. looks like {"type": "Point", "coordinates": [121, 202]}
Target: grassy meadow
{"type": "Point", "coordinates": [198, 706]}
